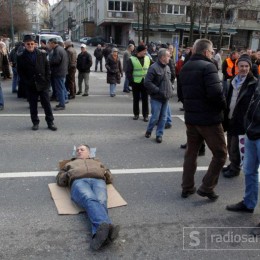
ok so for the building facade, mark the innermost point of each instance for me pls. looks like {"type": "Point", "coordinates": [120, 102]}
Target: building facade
{"type": "Point", "coordinates": [169, 21]}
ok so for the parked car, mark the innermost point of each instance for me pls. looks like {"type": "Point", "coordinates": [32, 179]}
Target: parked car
{"type": "Point", "coordinates": [95, 41]}
{"type": "Point", "coordinates": [84, 39]}
{"type": "Point", "coordinates": [47, 37]}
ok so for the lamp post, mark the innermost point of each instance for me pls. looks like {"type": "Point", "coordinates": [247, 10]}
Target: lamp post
{"type": "Point", "coordinates": [12, 21]}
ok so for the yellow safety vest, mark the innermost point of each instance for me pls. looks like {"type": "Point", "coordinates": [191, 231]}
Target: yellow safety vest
{"type": "Point", "coordinates": [139, 72]}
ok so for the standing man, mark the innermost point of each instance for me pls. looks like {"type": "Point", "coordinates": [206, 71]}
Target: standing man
{"type": "Point", "coordinates": [34, 70]}
{"type": "Point", "coordinates": [159, 85]}
{"type": "Point", "coordinates": [84, 63]}
{"type": "Point", "coordinates": [59, 70]}
{"type": "Point", "coordinates": [240, 92]}
{"type": "Point", "coordinates": [251, 159]}
{"type": "Point", "coordinates": [70, 77]}
{"type": "Point", "coordinates": [137, 68]}
{"type": "Point", "coordinates": [13, 63]}
{"type": "Point", "coordinates": [204, 103]}
{"type": "Point", "coordinates": [229, 69]}
{"type": "Point", "coordinates": [126, 57]}
{"type": "Point", "coordinates": [98, 53]}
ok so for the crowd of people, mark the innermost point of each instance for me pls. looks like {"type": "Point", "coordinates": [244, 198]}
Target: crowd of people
{"type": "Point", "coordinates": [218, 94]}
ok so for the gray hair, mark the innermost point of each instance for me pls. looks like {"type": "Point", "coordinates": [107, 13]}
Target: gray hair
{"type": "Point", "coordinates": [162, 52]}
{"type": "Point", "coordinates": [201, 45]}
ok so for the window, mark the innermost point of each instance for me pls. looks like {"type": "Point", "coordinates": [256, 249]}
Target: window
{"type": "Point", "coordinates": [173, 9]}
{"type": "Point", "coordinates": [247, 14]}
{"type": "Point", "coordinates": [124, 6]}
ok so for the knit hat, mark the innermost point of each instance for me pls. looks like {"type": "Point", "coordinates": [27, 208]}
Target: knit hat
{"type": "Point", "coordinates": [140, 48]}
{"type": "Point", "coordinates": [245, 57]}
{"type": "Point", "coordinates": [28, 38]}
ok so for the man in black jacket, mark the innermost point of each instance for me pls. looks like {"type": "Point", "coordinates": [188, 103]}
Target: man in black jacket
{"type": "Point", "coordinates": [34, 70]}
{"type": "Point", "coordinates": [251, 159]}
{"type": "Point", "coordinates": [98, 53]}
{"type": "Point", "coordinates": [204, 103]}
{"type": "Point", "coordinates": [84, 63]}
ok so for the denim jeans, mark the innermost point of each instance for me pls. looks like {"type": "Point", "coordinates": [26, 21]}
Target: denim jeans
{"type": "Point", "coordinates": [91, 194]}
{"type": "Point", "coordinates": [250, 168]}
{"type": "Point", "coordinates": [126, 84]}
{"type": "Point", "coordinates": [169, 116]}
{"type": "Point", "coordinates": [83, 76]}
{"type": "Point", "coordinates": [61, 92]}
{"type": "Point", "coordinates": [15, 79]}
{"type": "Point", "coordinates": [1, 95]}
{"type": "Point", "coordinates": [159, 114]}
{"type": "Point", "coordinates": [215, 139]}
{"type": "Point", "coordinates": [112, 89]}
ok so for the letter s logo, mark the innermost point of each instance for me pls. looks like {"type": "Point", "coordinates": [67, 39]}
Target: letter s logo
{"type": "Point", "coordinates": [195, 239]}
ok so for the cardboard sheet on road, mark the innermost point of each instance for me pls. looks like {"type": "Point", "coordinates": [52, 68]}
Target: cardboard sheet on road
{"type": "Point", "coordinates": [65, 206]}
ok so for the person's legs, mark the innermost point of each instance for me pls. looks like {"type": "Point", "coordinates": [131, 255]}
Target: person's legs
{"type": "Point", "coordinates": [215, 140]}
{"type": "Point", "coordinates": [234, 154]}
{"type": "Point", "coordinates": [86, 81]}
{"type": "Point", "coordinates": [136, 98]}
{"type": "Point", "coordinates": [91, 194]}
{"type": "Point", "coordinates": [1, 97]}
{"type": "Point", "coordinates": [155, 114]}
{"type": "Point", "coordinates": [60, 90]}
{"type": "Point", "coordinates": [33, 102]}
{"type": "Point", "coordinates": [162, 118]}
{"type": "Point", "coordinates": [126, 85]}
{"type": "Point", "coordinates": [250, 168]}
{"type": "Point", "coordinates": [145, 106]}
{"type": "Point", "coordinates": [194, 140]}
{"type": "Point", "coordinates": [45, 101]}
{"type": "Point", "coordinates": [80, 80]}
{"type": "Point", "coordinates": [101, 65]}
{"type": "Point", "coordinates": [112, 88]}
{"type": "Point", "coordinates": [96, 64]}
{"type": "Point", "coordinates": [15, 80]}
{"type": "Point", "coordinates": [168, 123]}
{"type": "Point", "coordinates": [71, 82]}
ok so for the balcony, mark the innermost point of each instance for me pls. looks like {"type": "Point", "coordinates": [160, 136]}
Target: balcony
{"type": "Point", "coordinates": [123, 15]}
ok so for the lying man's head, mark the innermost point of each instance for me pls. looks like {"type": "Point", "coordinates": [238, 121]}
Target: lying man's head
{"type": "Point", "coordinates": [83, 151]}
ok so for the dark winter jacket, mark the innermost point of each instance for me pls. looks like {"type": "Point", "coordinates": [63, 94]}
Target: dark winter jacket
{"type": "Point", "coordinates": [202, 94]}
{"type": "Point", "coordinates": [158, 82]}
{"type": "Point", "coordinates": [252, 118]}
{"type": "Point", "coordinates": [98, 53]}
{"type": "Point", "coordinates": [72, 57]}
{"type": "Point", "coordinates": [59, 62]}
{"type": "Point", "coordinates": [114, 70]}
{"type": "Point", "coordinates": [235, 125]}
{"type": "Point", "coordinates": [84, 62]}
{"type": "Point", "coordinates": [34, 73]}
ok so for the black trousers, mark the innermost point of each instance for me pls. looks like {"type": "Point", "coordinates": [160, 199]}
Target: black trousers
{"type": "Point", "coordinates": [140, 92]}
{"type": "Point", "coordinates": [33, 96]}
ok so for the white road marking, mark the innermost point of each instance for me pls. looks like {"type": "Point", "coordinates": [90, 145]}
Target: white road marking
{"type": "Point", "coordinates": [115, 171]}
{"type": "Point", "coordinates": [81, 115]}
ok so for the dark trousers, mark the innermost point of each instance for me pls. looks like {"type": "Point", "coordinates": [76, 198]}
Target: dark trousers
{"type": "Point", "coordinates": [96, 64]}
{"type": "Point", "coordinates": [233, 152]}
{"type": "Point", "coordinates": [70, 82]}
{"type": "Point", "coordinates": [215, 140]}
{"type": "Point", "coordinates": [45, 102]}
{"type": "Point", "coordinates": [140, 92]}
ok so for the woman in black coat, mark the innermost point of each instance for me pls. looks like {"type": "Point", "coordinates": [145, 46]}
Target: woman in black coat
{"type": "Point", "coordinates": [114, 71]}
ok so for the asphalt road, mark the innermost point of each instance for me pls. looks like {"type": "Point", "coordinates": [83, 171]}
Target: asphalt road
{"type": "Point", "coordinates": [156, 224]}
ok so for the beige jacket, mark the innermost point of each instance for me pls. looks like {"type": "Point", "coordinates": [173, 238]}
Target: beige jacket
{"type": "Point", "coordinates": [83, 168]}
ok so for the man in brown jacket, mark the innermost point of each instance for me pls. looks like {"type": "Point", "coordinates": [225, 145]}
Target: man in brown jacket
{"type": "Point", "coordinates": [87, 178]}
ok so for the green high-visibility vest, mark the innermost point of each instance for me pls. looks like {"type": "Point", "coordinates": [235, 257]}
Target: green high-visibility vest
{"type": "Point", "coordinates": [139, 72]}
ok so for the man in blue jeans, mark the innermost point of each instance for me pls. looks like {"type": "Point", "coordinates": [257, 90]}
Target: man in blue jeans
{"type": "Point", "coordinates": [158, 84]}
{"type": "Point", "coordinates": [87, 178]}
{"type": "Point", "coordinates": [59, 69]}
{"type": "Point", "coordinates": [251, 160]}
